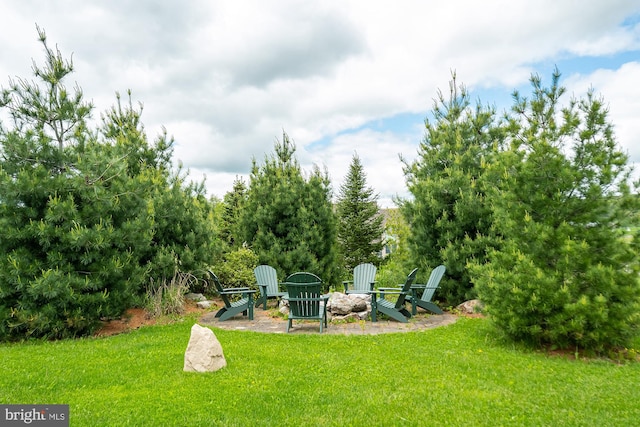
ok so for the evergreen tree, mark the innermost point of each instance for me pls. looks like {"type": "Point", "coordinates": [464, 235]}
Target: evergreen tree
{"type": "Point", "coordinates": [288, 220]}
{"type": "Point", "coordinates": [360, 224]}
{"type": "Point", "coordinates": [181, 226]}
{"type": "Point", "coordinates": [73, 224]}
{"type": "Point", "coordinates": [86, 216]}
{"type": "Point", "coordinates": [235, 265]}
{"type": "Point", "coordinates": [567, 270]}
{"type": "Point", "coordinates": [320, 218]}
{"type": "Point", "coordinates": [233, 205]}
{"type": "Point", "coordinates": [449, 214]}
{"type": "Point", "coordinates": [184, 237]}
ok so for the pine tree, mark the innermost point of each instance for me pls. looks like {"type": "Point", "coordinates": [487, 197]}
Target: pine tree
{"type": "Point", "coordinates": [88, 217]}
{"type": "Point", "coordinates": [567, 270]}
{"type": "Point", "coordinates": [233, 205]}
{"type": "Point", "coordinates": [287, 219]}
{"type": "Point", "coordinates": [449, 214]}
{"type": "Point", "coordinates": [72, 236]}
{"type": "Point", "coordinates": [360, 223]}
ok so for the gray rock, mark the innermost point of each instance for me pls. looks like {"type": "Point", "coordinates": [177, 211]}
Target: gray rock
{"type": "Point", "coordinates": [284, 306]}
{"type": "Point", "coordinates": [194, 297]}
{"type": "Point", "coordinates": [203, 304]}
{"type": "Point", "coordinates": [204, 352]}
{"type": "Point", "coordinates": [342, 304]}
{"type": "Point", "coordinates": [470, 307]}
{"type": "Point", "coordinates": [362, 315]}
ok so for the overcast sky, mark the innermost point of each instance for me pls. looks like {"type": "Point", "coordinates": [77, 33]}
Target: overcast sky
{"type": "Point", "coordinates": [225, 78]}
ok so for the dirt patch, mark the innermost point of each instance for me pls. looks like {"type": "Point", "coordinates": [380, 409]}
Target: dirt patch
{"type": "Point", "coordinates": [132, 319]}
{"type": "Point", "coordinates": [472, 315]}
{"type": "Point", "coordinates": [135, 318]}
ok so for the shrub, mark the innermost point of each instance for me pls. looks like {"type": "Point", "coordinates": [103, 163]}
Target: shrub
{"type": "Point", "coordinates": [236, 269]}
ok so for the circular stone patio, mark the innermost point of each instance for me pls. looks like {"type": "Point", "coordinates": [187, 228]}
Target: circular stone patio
{"type": "Point", "coordinates": [265, 321]}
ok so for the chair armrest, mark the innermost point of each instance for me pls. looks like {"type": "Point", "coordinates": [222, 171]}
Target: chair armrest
{"type": "Point", "coordinates": [296, 283]}
{"type": "Point", "coordinates": [263, 286]}
{"type": "Point", "coordinates": [325, 299]}
{"type": "Point", "coordinates": [249, 294]}
{"type": "Point", "coordinates": [238, 291]}
{"type": "Point", "coordinates": [301, 283]}
{"type": "Point", "coordinates": [386, 291]}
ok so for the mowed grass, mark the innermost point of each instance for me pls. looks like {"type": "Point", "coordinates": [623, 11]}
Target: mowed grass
{"type": "Point", "coordinates": [455, 375]}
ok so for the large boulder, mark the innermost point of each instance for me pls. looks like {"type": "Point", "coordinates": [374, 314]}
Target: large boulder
{"type": "Point", "coordinates": [342, 304]}
{"type": "Point", "coordinates": [204, 352]}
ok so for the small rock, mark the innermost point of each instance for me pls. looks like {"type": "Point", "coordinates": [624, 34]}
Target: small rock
{"type": "Point", "coordinates": [362, 315]}
{"type": "Point", "coordinates": [203, 304]}
{"type": "Point", "coordinates": [347, 317]}
{"type": "Point", "coordinates": [473, 306]}
{"type": "Point", "coordinates": [194, 297]}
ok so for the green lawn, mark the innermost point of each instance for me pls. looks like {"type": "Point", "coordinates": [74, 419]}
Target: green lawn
{"type": "Point", "coordinates": [454, 375]}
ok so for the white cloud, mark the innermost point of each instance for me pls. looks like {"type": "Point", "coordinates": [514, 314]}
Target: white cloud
{"type": "Point", "coordinates": [621, 94]}
{"type": "Point", "coordinates": [379, 153]}
{"type": "Point", "coordinates": [225, 78]}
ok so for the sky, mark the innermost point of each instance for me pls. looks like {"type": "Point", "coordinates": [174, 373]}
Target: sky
{"type": "Point", "coordinates": [345, 77]}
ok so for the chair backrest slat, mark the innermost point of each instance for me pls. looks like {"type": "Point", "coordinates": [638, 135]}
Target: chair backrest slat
{"type": "Point", "coordinates": [363, 276]}
{"type": "Point", "coordinates": [307, 287]}
{"type": "Point", "coordinates": [220, 289]}
{"type": "Point", "coordinates": [267, 275]}
{"type": "Point", "coordinates": [433, 283]}
{"type": "Point", "coordinates": [405, 289]}
{"type": "Point", "coordinates": [303, 277]}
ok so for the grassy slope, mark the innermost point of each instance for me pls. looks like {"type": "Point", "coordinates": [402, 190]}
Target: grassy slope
{"type": "Point", "coordinates": [455, 375]}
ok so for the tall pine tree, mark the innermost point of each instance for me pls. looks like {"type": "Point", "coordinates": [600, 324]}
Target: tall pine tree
{"type": "Point", "coordinates": [449, 214]}
{"type": "Point", "coordinates": [567, 270]}
{"type": "Point", "coordinates": [360, 223]}
{"type": "Point", "coordinates": [74, 223]}
{"type": "Point", "coordinates": [87, 216]}
{"type": "Point", "coordinates": [288, 220]}
{"type": "Point", "coordinates": [232, 206]}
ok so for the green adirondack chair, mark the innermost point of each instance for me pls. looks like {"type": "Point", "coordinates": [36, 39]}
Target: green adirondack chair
{"type": "Point", "coordinates": [267, 279]}
{"type": "Point", "coordinates": [364, 276]}
{"type": "Point", "coordinates": [396, 310]}
{"type": "Point", "coordinates": [231, 308]}
{"type": "Point", "coordinates": [427, 292]}
{"type": "Point", "coordinates": [306, 301]}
